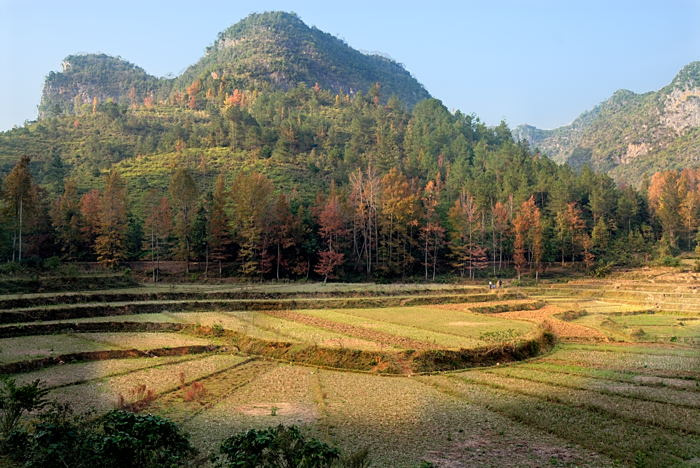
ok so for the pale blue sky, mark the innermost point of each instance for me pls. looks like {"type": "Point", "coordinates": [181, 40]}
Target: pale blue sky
{"type": "Point", "coordinates": [537, 62]}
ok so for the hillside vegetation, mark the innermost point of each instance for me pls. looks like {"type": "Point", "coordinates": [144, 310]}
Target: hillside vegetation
{"type": "Point", "coordinates": [273, 50]}
{"type": "Point", "coordinates": [630, 135]}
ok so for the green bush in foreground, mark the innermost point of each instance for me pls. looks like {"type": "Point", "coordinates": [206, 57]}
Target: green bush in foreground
{"type": "Point", "coordinates": [119, 439]}
{"type": "Point", "coordinates": [276, 447]}
{"type": "Point", "coordinates": [122, 439]}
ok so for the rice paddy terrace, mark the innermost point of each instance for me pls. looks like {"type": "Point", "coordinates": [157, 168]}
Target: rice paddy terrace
{"type": "Point", "coordinates": [583, 373]}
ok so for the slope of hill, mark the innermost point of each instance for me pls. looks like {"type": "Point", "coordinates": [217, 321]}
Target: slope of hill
{"type": "Point", "coordinates": [267, 50]}
{"type": "Point", "coordinates": [97, 77]}
{"type": "Point", "coordinates": [631, 135]}
{"type": "Point", "coordinates": [277, 49]}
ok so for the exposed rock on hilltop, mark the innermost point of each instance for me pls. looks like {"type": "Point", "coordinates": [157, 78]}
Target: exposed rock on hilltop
{"type": "Point", "coordinates": [631, 135]}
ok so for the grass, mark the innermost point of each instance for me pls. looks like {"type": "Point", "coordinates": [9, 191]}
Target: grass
{"type": "Point", "coordinates": [439, 327]}
{"type": "Point", "coordinates": [633, 390]}
{"type": "Point", "coordinates": [582, 404]}
{"type": "Point", "coordinates": [602, 431]}
{"type": "Point", "coordinates": [145, 340]}
{"type": "Point", "coordinates": [32, 347]}
{"type": "Point", "coordinates": [71, 374]}
{"type": "Point", "coordinates": [103, 393]}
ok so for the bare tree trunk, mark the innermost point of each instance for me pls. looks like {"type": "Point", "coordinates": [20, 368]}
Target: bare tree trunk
{"type": "Point", "coordinates": [278, 261]}
{"type": "Point", "coordinates": [153, 246]}
{"type": "Point", "coordinates": [206, 261]}
{"type": "Point", "coordinates": [20, 229]}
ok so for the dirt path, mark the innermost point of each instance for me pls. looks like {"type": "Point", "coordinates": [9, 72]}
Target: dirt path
{"type": "Point", "coordinates": [352, 330]}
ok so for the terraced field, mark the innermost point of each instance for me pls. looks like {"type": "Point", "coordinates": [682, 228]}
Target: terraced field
{"type": "Point", "coordinates": [453, 375]}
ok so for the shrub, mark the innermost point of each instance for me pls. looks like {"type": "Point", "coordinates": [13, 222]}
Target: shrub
{"type": "Point", "coordinates": [138, 398]}
{"type": "Point", "coordinates": [218, 329]}
{"type": "Point", "coordinates": [571, 315]}
{"type": "Point", "coordinates": [359, 459]}
{"type": "Point", "coordinates": [16, 400]}
{"type": "Point", "coordinates": [119, 439]}
{"type": "Point", "coordinates": [667, 261]}
{"type": "Point", "coordinates": [194, 392]}
{"type": "Point", "coordinates": [52, 263]}
{"type": "Point", "coordinates": [499, 336]}
{"type": "Point", "coordinates": [275, 447]}
{"type": "Point", "coordinates": [134, 440]}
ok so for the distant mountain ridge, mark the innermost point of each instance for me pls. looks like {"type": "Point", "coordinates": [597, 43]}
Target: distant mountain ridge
{"type": "Point", "coordinates": [631, 135]}
{"type": "Point", "coordinates": [266, 50]}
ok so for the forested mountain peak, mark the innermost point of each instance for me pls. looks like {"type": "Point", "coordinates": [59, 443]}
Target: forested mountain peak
{"type": "Point", "coordinates": [688, 77]}
{"type": "Point", "coordinates": [631, 135]}
{"type": "Point", "coordinates": [99, 77]}
{"type": "Point", "coordinates": [273, 50]}
{"type": "Point", "coordinates": [278, 50]}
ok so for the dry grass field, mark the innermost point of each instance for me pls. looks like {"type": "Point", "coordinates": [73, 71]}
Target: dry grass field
{"type": "Point", "coordinates": [452, 375]}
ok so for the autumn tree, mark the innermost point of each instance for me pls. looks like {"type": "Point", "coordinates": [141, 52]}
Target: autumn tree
{"type": "Point", "coordinates": [665, 202]}
{"type": "Point", "coordinates": [67, 221]}
{"type": "Point", "coordinates": [528, 247]}
{"type": "Point", "coordinates": [431, 233]}
{"type": "Point", "coordinates": [570, 226]}
{"type": "Point", "coordinates": [19, 195]}
{"type": "Point", "coordinates": [90, 213]}
{"type": "Point", "coordinates": [110, 244]}
{"type": "Point", "coordinates": [332, 230]}
{"type": "Point", "coordinates": [500, 223]}
{"type": "Point", "coordinates": [397, 217]}
{"type": "Point", "coordinates": [183, 193]}
{"type": "Point", "coordinates": [282, 228]}
{"type": "Point", "coordinates": [158, 226]}
{"type": "Point", "coordinates": [689, 190]}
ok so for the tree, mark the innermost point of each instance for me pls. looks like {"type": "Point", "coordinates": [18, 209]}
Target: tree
{"type": "Point", "coordinates": [200, 236]}
{"type": "Point", "coordinates": [575, 225]}
{"type": "Point", "coordinates": [600, 237]}
{"type": "Point", "coordinates": [251, 201]}
{"type": "Point", "coordinates": [332, 229]}
{"type": "Point", "coordinates": [158, 227]}
{"type": "Point", "coordinates": [219, 238]}
{"type": "Point", "coordinates": [499, 227]}
{"type": "Point", "coordinates": [690, 214]}
{"type": "Point", "coordinates": [520, 227]}
{"type": "Point", "coordinates": [464, 221]}
{"type": "Point", "coordinates": [282, 229]}
{"type": "Point", "coordinates": [183, 193]}
{"type": "Point", "coordinates": [397, 216]}
{"type": "Point", "coordinates": [19, 195]}
{"type": "Point", "coordinates": [110, 244]}
{"type": "Point", "coordinates": [67, 221]}
{"type": "Point", "coordinates": [90, 212]}
{"type": "Point", "coordinates": [364, 201]}
{"type": "Point", "coordinates": [665, 201]}
{"type": "Point", "coordinates": [528, 237]}
{"type": "Point", "coordinates": [432, 232]}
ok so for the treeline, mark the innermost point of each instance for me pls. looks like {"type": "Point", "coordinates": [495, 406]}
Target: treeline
{"type": "Point", "coordinates": [307, 183]}
{"type": "Point", "coordinates": [380, 224]}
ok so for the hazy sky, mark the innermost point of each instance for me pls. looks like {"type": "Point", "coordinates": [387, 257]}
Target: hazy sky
{"type": "Point", "coordinates": [536, 62]}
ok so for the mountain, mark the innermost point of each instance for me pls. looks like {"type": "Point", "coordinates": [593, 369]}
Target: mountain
{"type": "Point", "coordinates": [631, 135]}
{"type": "Point", "coordinates": [277, 49]}
{"type": "Point", "coordinates": [267, 50]}
{"type": "Point", "coordinates": [95, 76]}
